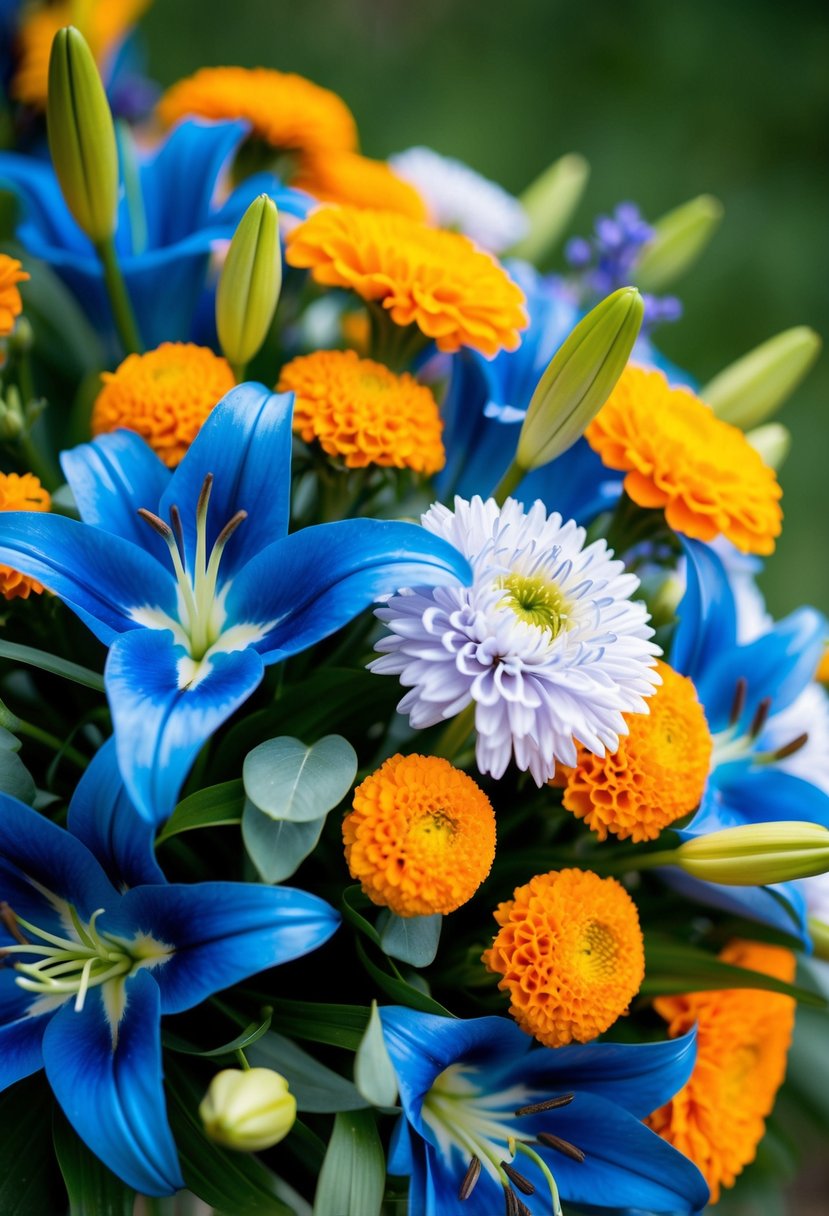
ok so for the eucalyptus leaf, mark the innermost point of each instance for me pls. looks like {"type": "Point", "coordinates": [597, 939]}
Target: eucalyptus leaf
{"type": "Point", "coordinates": [277, 847]}
{"type": "Point", "coordinates": [412, 939]}
{"type": "Point", "coordinates": [90, 1185]}
{"type": "Point", "coordinates": [353, 1175]}
{"type": "Point", "coordinates": [15, 778]}
{"type": "Point", "coordinates": [317, 1088]}
{"type": "Point", "coordinates": [287, 779]}
{"type": "Point", "coordinates": [208, 808]}
{"type": "Point", "coordinates": [374, 1073]}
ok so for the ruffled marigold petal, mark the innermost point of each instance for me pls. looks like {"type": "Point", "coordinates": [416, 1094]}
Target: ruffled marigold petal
{"type": "Point", "coordinates": [357, 181]}
{"type": "Point", "coordinates": [21, 492]}
{"type": "Point", "coordinates": [11, 306]}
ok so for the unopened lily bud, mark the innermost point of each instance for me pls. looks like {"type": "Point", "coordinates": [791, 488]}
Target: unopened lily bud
{"type": "Point", "coordinates": [772, 441]}
{"type": "Point", "coordinates": [11, 414]}
{"type": "Point", "coordinates": [549, 203]}
{"type": "Point", "coordinates": [679, 238]}
{"type": "Point", "coordinates": [82, 136]}
{"type": "Point", "coordinates": [249, 284]}
{"type": "Point", "coordinates": [248, 1109]}
{"type": "Point", "coordinates": [751, 390]}
{"type": "Point", "coordinates": [580, 378]}
{"type": "Point", "coordinates": [756, 854]}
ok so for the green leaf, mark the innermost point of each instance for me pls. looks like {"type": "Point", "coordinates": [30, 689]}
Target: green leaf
{"type": "Point", "coordinates": [317, 1088]}
{"type": "Point", "coordinates": [277, 847]}
{"type": "Point", "coordinates": [15, 778]}
{"type": "Point", "coordinates": [336, 1025]}
{"type": "Point", "coordinates": [51, 663]}
{"type": "Point", "coordinates": [671, 968]}
{"type": "Point", "coordinates": [353, 1176]}
{"type": "Point", "coordinates": [90, 1185]}
{"type": "Point", "coordinates": [28, 1186]}
{"type": "Point", "coordinates": [398, 988]}
{"type": "Point", "coordinates": [374, 1073]}
{"type": "Point", "coordinates": [412, 939]}
{"type": "Point", "coordinates": [251, 1034]}
{"type": "Point", "coordinates": [289, 780]}
{"type": "Point", "coordinates": [208, 808]}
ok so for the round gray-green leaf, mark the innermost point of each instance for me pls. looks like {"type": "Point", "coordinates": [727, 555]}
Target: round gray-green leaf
{"type": "Point", "coordinates": [287, 779]}
{"type": "Point", "coordinates": [277, 847]}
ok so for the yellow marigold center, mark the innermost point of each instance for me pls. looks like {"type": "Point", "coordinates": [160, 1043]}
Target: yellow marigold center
{"type": "Point", "coordinates": [536, 601]}
{"type": "Point", "coordinates": [420, 837]}
{"type": "Point", "coordinates": [439, 281]}
{"type": "Point", "coordinates": [20, 492]}
{"type": "Point", "coordinates": [363, 413]}
{"type": "Point", "coordinates": [658, 773]}
{"type": "Point", "coordinates": [743, 1038]}
{"type": "Point", "coordinates": [570, 953]}
{"type": "Point", "coordinates": [164, 395]}
{"type": "Point", "coordinates": [11, 306]}
{"type": "Point", "coordinates": [357, 181]}
{"type": "Point", "coordinates": [680, 456]}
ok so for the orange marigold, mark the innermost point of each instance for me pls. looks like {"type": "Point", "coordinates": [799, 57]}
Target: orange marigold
{"type": "Point", "coordinates": [571, 954]}
{"type": "Point", "coordinates": [439, 281]}
{"type": "Point", "coordinates": [11, 306]}
{"type": "Point", "coordinates": [358, 181]}
{"type": "Point", "coordinates": [822, 672]}
{"type": "Point", "coordinates": [20, 492]}
{"type": "Point", "coordinates": [286, 111]}
{"type": "Point", "coordinates": [420, 837]}
{"type": "Point", "coordinates": [743, 1038]}
{"type": "Point", "coordinates": [680, 456]}
{"type": "Point", "coordinates": [658, 773]}
{"type": "Point", "coordinates": [364, 413]}
{"type": "Point", "coordinates": [164, 395]}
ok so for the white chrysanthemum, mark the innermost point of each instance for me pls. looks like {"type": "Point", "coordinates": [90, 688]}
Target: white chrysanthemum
{"type": "Point", "coordinates": [546, 642]}
{"type": "Point", "coordinates": [460, 198]}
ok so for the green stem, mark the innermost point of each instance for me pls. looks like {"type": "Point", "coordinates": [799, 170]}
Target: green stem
{"type": "Point", "coordinates": [119, 299]}
{"type": "Point", "coordinates": [238, 370]}
{"type": "Point", "coordinates": [642, 861]}
{"type": "Point", "coordinates": [242, 1058]}
{"type": "Point", "coordinates": [38, 462]}
{"type": "Point", "coordinates": [51, 741]}
{"type": "Point", "coordinates": [513, 477]}
{"type": "Point", "coordinates": [455, 734]}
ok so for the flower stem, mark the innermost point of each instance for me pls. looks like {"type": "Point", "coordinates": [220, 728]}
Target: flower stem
{"type": "Point", "coordinates": [513, 477]}
{"type": "Point", "coordinates": [455, 734]}
{"type": "Point", "coordinates": [119, 299]}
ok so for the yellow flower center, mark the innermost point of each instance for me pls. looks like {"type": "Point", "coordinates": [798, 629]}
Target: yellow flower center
{"type": "Point", "coordinates": [537, 601]}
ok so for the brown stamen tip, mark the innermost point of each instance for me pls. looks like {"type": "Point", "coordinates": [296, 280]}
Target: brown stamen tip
{"type": "Point", "coordinates": [510, 1202]}
{"type": "Point", "coordinates": [738, 704]}
{"type": "Point", "coordinates": [524, 1185]}
{"type": "Point", "coordinates": [229, 528]}
{"type": "Point", "coordinates": [760, 717]}
{"type": "Point", "coordinates": [470, 1178]}
{"type": "Point", "coordinates": [791, 748]}
{"type": "Point", "coordinates": [158, 525]}
{"type": "Point", "coordinates": [178, 530]}
{"type": "Point", "coordinates": [521, 1208]}
{"type": "Point", "coordinates": [561, 1146]}
{"type": "Point", "coordinates": [538, 1108]}
{"type": "Point", "coordinates": [204, 496]}
{"type": "Point", "coordinates": [9, 920]}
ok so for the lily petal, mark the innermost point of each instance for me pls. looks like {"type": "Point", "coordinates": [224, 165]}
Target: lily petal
{"type": "Point", "coordinates": [707, 613]}
{"type": "Point", "coordinates": [759, 795]}
{"type": "Point", "coordinates": [21, 1034]}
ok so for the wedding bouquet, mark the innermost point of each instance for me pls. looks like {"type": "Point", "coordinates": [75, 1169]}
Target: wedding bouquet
{"type": "Point", "coordinates": [408, 803]}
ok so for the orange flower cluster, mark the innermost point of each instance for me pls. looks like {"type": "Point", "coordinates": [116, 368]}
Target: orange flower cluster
{"type": "Point", "coordinates": [358, 181]}
{"type": "Point", "coordinates": [11, 306]}
{"type": "Point", "coordinates": [20, 492]}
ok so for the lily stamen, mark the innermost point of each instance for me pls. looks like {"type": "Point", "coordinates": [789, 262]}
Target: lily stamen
{"type": "Point", "coordinates": [759, 720]}
{"type": "Point", "coordinates": [524, 1185]}
{"type": "Point", "coordinates": [739, 701]}
{"type": "Point", "coordinates": [538, 1108]}
{"type": "Point", "coordinates": [561, 1146]}
{"type": "Point", "coordinates": [470, 1178]}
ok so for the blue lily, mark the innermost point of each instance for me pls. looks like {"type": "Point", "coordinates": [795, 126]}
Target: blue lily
{"type": "Point", "coordinates": [101, 946]}
{"type": "Point", "coordinates": [192, 582]}
{"type": "Point", "coordinates": [167, 223]}
{"type": "Point", "coordinates": [480, 1106]}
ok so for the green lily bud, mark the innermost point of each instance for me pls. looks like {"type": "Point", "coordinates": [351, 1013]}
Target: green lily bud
{"type": "Point", "coordinates": [549, 203]}
{"type": "Point", "coordinates": [248, 1109]}
{"type": "Point", "coordinates": [12, 422]}
{"type": "Point", "coordinates": [82, 136]}
{"type": "Point", "coordinates": [755, 854]}
{"type": "Point", "coordinates": [819, 933]}
{"type": "Point", "coordinates": [753, 389]}
{"type": "Point", "coordinates": [580, 378]}
{"type": "Point", "coordinates": [249, 284]}
{"type": "Point", "coordinates": [679, 238]}
{"type": "Point", "coordinates": [772, 441]}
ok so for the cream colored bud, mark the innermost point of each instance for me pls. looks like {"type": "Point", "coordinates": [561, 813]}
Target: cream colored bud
{"type": "Point", "coordinates": [751, 390]}
{"type": "Point", "coordinates": [549, 203]}
{"type": "Point", "coordinates": [250, 282]}
{"type": "Point", "coordinates": [248, 1109]}
{"type": "Point", "coordinates": [773, 442]}
{"type": "Point", "coordinates": [679, 238]}
{"type": "Point", "coordinates": [756, 854]}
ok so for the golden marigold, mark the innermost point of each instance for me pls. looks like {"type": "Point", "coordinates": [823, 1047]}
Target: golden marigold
{"type": "Point", "coordinates": [104, 23]}
{"type": "Point", "coordinates": [11, 306]}
{"type": "Point", "coordinates": [164, 395]}
{"type": "Point", "coordinates": [743, 1037]}
{"type": "Point", "coordinates": [422, 276]}
{"type": "Point", "coordinates": [358, 181]}
{"type": "Point", "coordinates": [286, 111]}
{"type": "Point", "coordinates": [658, 773]}
{"type": "Point", "coordinates": [822, 672]}
{"type": "Point", "coordinates": [364, 413]}
{"type": "Point", "coordinates": [420, 837]}
{"type": "Point", "coordinates": [20, 492]}
{"type": "Point", "coordinates": [571, 954]}
{"type": "Point", "coordinates": [680, 456]}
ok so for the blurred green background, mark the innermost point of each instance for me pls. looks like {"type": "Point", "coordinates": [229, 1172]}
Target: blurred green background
{"type": "Point", "coordinates": [667, 101]}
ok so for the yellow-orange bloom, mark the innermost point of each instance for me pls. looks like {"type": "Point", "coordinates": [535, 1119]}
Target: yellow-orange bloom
{"type": "Point", "coordinates": [420, 837]}
{"type": "Point", "coordinates": [439, 281]}
{"type": "Point", "coordinates": [658, 773]}
{"type": "Point", "coordinates": [680, 456]}
{"type": "Point", "coordinates": [286, 111]}
{"type": "Point", "coordinates": [20, 492]}
{"type": "Point", "coordinates": [11, 306]}
{"type": "Point", "coordinates": [362, 412]}
{"type": "Point", "coordinates": [822, 672]}
{"type": "Point", "coordinates": [743, 1038]}
{"type": "Point", "coordinates": [358, 181]}
{"type": "Point", "coordinates": [571, 955]}
{"type": "Point", "coordinates": [164, 395]}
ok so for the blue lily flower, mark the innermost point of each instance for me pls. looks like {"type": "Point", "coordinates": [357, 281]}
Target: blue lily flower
{"type": "Point", "coordinates": [101, 946]}
{"type": "Point", "coordinates": [488, 1121]}
{"type": "Point", "coordinates": [166, 226]}
{"type": "Point", "coordinates": [192, 582]}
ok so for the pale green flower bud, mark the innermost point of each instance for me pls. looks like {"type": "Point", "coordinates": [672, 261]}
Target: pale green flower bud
{"type": "Point", "coordinates": [248, 1109]}
{"type": "Point", "coordinates": [773, 441]}
{"type": "Point", "coordinates": [580, 378]}
{"type": "Point", "coordinates": [755, 854]}
{"type": "Point", "coordinates": [549, 203]}
{"type": "Point", "coordinates": [82, 136]}
{"type": "Point", "coordinates": [819, 933]}
{"type": "Point", "coordinates": [679, 238]}
{"type": "Point", "coordinates": [12, 422]}
{"type": "Point", "coordinates": [753, 389]}
{"type": "Point", "coordinates": [249, 284]}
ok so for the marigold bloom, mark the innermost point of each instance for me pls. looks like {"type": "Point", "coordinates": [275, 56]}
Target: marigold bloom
{"type": "Point", "coordinates": [420, 837]}
{"type": "Point", "coordinates": [658, 773]}
{"type": "Point", "coordinates": [680, 456]}
{"type": "Point", "coordinates": [287, 111]}
{"type": "Point", "coordinates": [20, 492]}
{"type": "Point", "coordinates": [11, 306]}
{"type": "Point", "coordinates": [439, 281]}
{"type": "Point", "coordinates": [358, 181]}
{"type": "Point", "coordinates": [164, 396]}
{"type": "Point", "coordinates": [571, 954]}
{"type": "Point", "coordinates": [743, 1037]}
{"type": "Point", "coordinates": [364, 413]}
